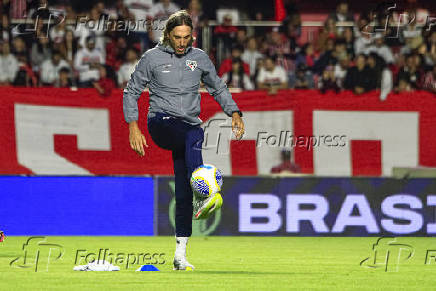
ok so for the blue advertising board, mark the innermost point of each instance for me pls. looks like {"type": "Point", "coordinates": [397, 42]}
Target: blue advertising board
{"type": "Point", "coordinates": [76, 205]}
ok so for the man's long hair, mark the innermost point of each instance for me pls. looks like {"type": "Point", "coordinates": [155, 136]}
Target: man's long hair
{"type": "Point", "coordinates": [181, 17]}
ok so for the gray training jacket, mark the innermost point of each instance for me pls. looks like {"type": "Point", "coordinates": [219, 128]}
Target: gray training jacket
{"type": "Point", "coordinates": [173, 82]}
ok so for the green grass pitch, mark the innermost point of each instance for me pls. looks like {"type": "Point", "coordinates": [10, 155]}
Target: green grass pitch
{"type": "Point", "coordinates": [225, 263]}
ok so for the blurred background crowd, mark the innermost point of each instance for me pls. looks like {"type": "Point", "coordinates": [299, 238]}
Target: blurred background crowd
{"type": "Point", "coordinates": [75, 44]}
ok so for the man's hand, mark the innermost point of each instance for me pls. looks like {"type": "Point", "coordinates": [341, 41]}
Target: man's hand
{"type": "Point", "coordinates": [237, 125]}
{"type": "Point", "coordinates": [136, 138]}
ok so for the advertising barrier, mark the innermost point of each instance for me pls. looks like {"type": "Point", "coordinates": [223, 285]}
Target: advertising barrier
{"type": "Point", "coordinates": [312, 207]}
{"type": "Point", "coordinates": [76, 205]}
{"type": "Point", "coordinates": [49, 131]}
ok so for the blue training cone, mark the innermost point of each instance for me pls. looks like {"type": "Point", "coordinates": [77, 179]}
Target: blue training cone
{"type": "Point", "coordinates": [147, 268]}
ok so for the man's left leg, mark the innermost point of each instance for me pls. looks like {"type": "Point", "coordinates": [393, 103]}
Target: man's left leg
{"type": "Point", "coordinates": [185, 160]}
{"type": "Point", "coordinates": [183, 215]}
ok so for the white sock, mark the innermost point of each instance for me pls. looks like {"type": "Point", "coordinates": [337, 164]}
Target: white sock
{"type": "Point", "coordinates": [181, 243]}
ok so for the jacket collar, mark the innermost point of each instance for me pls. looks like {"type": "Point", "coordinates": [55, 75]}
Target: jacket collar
{"type": "Point", "coordinates": [169, 49]}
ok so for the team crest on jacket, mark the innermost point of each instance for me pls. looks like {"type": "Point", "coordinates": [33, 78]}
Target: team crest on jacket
{"type": "Point", "coordinates": [191, 64]}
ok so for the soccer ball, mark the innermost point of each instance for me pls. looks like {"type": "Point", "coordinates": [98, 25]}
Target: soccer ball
{"type": "Point", "coordinates": [206, 181]}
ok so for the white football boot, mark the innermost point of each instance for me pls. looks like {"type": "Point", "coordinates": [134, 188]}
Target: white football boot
{"type": "Point", "coordinates": [180, 262]}
{"type": "Point", "coordinates": [204, 208]}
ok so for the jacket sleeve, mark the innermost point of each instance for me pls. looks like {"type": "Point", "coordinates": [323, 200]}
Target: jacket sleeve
{"type": "Point", "coordinates": [217, 88]}
{"type": "Point", "coordinates": [135, 86]}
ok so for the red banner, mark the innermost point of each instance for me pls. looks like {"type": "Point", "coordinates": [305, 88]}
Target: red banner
{"type": "Point", "coordinates": [59, 131]}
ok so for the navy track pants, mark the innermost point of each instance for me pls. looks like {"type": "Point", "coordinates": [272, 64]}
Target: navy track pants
{"type": "Point", "coordinates": [185, 142]}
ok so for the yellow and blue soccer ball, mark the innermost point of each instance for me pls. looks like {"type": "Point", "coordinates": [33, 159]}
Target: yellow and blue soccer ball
{"type": "Point", "coordinates": [206, 181]}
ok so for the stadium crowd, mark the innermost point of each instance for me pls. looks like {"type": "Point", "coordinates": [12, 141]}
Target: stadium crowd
{"type": "Point", "coordinates": [63, 47]}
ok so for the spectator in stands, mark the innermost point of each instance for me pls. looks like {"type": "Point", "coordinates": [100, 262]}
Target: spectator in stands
{"type": "Point", "coordinates": [57, 35]}
{"type": "Point", "coordinates": [307, 56]}
{"type": "Point", "coordinates": [50, 69]}
{"type": "Point", "coordinates": [330, 56]}
{"type": "Point", "coordinates": [291, 29]}
{"type": "Point", "coordinates": [142, 12]}
{"type": "Point", "coordinates": [431, 48]}
{"type": "Point", "coordinates": [259, 31]}
{"type": "Point", "coordinates": [412, 34]}
{"type": "Point", "coordinates": [5, 29]}
{"type": "Point", "coordinates": [82, 32]}
{"type": "Point", "coordinates": [292, 26]}
{"type": "Point", "coordinates": [329, 31]}
{"type": "Point", "coordinates": [115, 51]}
{"type": "Point", "coordinates": [241, 37]}
{"type": "Point", "coordinates": [342, 14]}
{"type": "Point", "coordinates": [381, 49]}
{"type": "Point", "coordinates": [198, 18]}
{"type": "Point", "coordinates": [237, 78]}
{"type": "Point", "coordinates": [302, 78]}
{"type": "Point", "coordinates": [328, 81]}
{"type": "Point", "coordinates": [64, 80]}
{"type": "Point", "coordinates": [381, 76]}
{"type": "Point", "coordinates": [409, 76]}
{"type": "Point", "coordinates": [41, 51]}
{"type": "Point", "coordinates": [286, 165]}
{"type": "Point", "coordinates": [363, 37]}
{"type": "Point", "coordinates": [8, 65]}
{"type": "Point", "coordinates": [127, 68]}
{"type": "Point", "coordinates": [226, 65]}
{"type": "Point", "coordinates": [105, 84]}
{"type": "Point", "coordinates": [280, 46]}
{"type": "Point", "coordinates": [358, 78]}
{"type": "Point", "coordinates": [141, 9]}
{"type": "Point", "coordinates": [69, 46]}
{"type": "Point", "coordinates": [25, 76]}
{"type": "Point", "coordinates": [429, 81]}
{"type": "Point", "coordinates": [100, 7]}
{"type": "Point", "coordinates": [251, 55]}
{"type": "Point", "coordinates": [224, 37]}
{"type": "Point", "coordinates": [348, 36]}
{"type": "Point", "coordinates": [427, 61]}
{"type": "Point", "coordinates": [160, 12]}
{"type": "Point", "coordinates": [341, 69]}
{"type": "Point", "coordinates": [272, 77]}
{"type": "Point", "coordinates": [19, 47]}
{"type": "Point", "coordinates": [259, 66]}
{"type": "Point", "coordinates": [87, 62]}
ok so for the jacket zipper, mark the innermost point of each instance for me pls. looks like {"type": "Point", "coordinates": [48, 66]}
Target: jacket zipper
{"type": "Point", "coordinates": [180, 68]}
